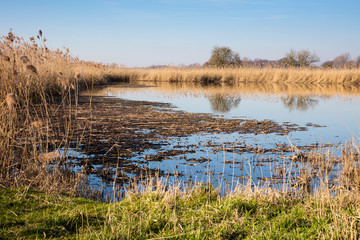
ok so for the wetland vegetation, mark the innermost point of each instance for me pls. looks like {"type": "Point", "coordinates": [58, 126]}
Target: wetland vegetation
{"type": "Point", "coordinates": [70, 128]}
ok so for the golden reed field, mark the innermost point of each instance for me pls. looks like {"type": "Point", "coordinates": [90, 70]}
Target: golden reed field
{"type": "Point", "coordinates": [247, 75]}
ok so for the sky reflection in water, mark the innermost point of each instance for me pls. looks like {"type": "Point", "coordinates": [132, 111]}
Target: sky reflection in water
{"type": "Point", "coordinates": [340, 114]}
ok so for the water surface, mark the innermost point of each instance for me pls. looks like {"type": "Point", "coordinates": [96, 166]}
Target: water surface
{"type": "Point", "coordinates": [329, 115]}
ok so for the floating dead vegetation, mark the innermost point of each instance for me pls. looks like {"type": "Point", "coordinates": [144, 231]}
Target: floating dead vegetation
{"type": "Point", "coordinates": [164, 155]}
{"type": "Point", "coordinates": [127, 135]}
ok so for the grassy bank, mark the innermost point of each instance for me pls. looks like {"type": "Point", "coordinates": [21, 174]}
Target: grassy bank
{"type": "Point", "coordinates": [195, 214]}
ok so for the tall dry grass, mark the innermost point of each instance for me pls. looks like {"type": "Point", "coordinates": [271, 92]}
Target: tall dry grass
{"type": "Point", "coordinates": [32, 79]}
{"type": "Point", "coordinates": [247, 75]}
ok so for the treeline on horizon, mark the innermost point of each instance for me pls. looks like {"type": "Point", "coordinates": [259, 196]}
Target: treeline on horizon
{"type": "Point", "coordinates": [226, 57]}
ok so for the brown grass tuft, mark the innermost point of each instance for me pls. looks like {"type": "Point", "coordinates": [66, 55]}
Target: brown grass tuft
{"type": "Point", "coordinates": [37, 124]}
{"type": "Point", "coordinates": [46, 158]}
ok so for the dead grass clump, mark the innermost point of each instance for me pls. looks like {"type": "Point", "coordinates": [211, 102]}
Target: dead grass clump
{"type": "Point", "coordinates": [49, 157]}
{"type": "Point", "coordinates": [37, 124]}
{"type": "Point", "coordinates": [350, 172]}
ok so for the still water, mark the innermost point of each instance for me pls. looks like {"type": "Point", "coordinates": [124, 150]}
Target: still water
{"type": "Point", "coordinates": [330, 116]}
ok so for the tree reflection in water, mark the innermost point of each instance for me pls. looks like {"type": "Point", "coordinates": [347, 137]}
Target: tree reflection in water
{"type": "Point", "coordinates": [223, 103]}
{"type": "Point", "coordinates": [300, 103]}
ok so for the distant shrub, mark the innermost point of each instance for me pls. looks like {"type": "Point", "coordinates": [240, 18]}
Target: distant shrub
{"type": "Point", "coordinates": [302, 58]}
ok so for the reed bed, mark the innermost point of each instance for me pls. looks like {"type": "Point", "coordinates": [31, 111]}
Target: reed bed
{"type": "Point", "coordinates": [247, 75]}
{"type": "Point", "coordinates": [32, 79]}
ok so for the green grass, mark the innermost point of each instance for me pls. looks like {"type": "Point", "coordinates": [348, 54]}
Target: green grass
{"type": "Point", "coordinates": [29, 214]}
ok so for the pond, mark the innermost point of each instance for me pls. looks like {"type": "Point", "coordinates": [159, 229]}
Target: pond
{"type": "Point", "coordinates": [315, 118]}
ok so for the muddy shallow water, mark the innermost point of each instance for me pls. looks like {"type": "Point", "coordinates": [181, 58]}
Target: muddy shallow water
{"type": "Point", "coordinates": [195, 133]}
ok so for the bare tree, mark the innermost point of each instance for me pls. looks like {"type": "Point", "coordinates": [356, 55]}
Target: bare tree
{"type": "Point", "coordinates": [302, 58]}
{"type": "Point", "coordinates": [290, 59]}
{"type": "Point", "coordinates": [223, 57]}
{"type": "Point", "coordinates": [341, 60]}
{"type": "Point", "coordinates": [306, 58]}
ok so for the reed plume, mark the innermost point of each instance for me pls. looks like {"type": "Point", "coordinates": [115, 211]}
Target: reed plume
{"type": "Point", "coordinates": [25, 59]}
{"type": "Point", "coordinates": [77, 75]}
{"type": "Point", "coordinates": [5, 58]}
{"type": "Point", "coordinates": [11, 101]}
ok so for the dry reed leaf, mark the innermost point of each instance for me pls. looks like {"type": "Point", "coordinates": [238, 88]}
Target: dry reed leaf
{"type": "Point", "coordinates": [31, 69]}
{"type": "Point", "coordinates": [48, 157]}
{"type": "Point", "coordinates": [11, 100]}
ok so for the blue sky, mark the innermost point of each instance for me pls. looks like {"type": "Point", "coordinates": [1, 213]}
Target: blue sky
{"type": "Point", "coordinates": [146, 32]}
